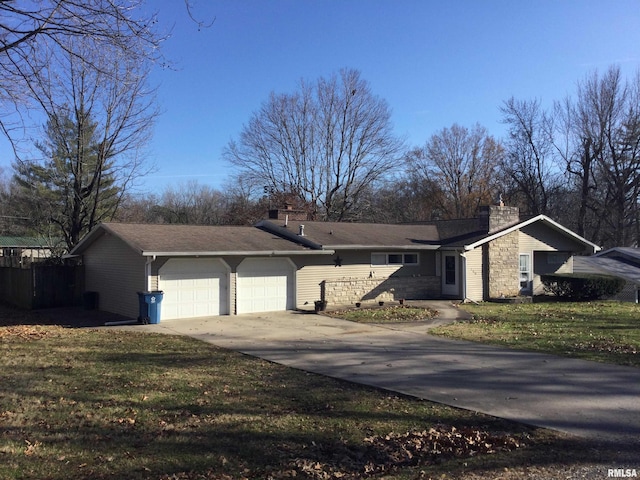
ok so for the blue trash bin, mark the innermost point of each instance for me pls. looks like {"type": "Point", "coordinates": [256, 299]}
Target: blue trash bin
{"type": "Point", "coordinates": [149, 306]}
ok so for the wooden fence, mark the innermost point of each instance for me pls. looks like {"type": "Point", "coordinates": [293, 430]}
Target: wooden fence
{"type": "Point", "coordinates": [42, 286]}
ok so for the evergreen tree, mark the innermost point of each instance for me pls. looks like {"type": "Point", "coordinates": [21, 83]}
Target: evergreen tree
{"type": "Point", "coordinates": [73, 187]}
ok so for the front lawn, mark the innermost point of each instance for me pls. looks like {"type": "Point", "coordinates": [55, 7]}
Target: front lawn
{"type": "Point", "coordinates": [110, 404]}
{"type": "Point", "coordinates": [602, 331]}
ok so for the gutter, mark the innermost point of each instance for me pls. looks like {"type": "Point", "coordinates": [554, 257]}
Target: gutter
{"type": "Point", "coordinates": [147, 270]}
{"type": "Point", "coordinates": [232, 253]}
{"type": "Point", "coordinates": [463, 275]}
{"type": "Point", "coordinates": [383, 247]}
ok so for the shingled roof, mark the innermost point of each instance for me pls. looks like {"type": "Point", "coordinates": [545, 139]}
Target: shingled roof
{"type": "Point", "coordinates": [175, 240]}
{"type": "Point", "coordinates": [277, 237]}
{"type": "Point", "coordinates": [341, 235]}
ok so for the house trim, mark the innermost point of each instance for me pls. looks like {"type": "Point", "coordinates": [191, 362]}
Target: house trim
{"type": "Point", "coordinates": [538, 218]}
{"type": "Point", "coordinates": [233, 253]}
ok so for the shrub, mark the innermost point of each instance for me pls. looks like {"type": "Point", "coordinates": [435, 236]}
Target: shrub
{"type": "Point", "coordinates": [581, 286]}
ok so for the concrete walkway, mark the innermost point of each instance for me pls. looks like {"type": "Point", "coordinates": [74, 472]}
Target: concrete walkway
{"type": "Point", "coordinates": [575, 396]}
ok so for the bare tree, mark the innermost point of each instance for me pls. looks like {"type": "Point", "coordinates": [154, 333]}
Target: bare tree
{"type": "Point", "coordinates": [463, 164]}
{"type": "Point", "coordinates": [32, 32]}
{"type": "Point", "coordinates": [328, 142]}
{"type": "Point", "coordinates": [529, 163]}
{"type": "Point", "coordinates": [11, 222]}
{"type": "Point", "coordinates": [600, 150]}
{"type": "Point", "coordinates": [406, 198]}
{"type": "Point", "coordinates": [99, 113]}
{"type": "Point", "coordinates": [138, 209]}
{"type": "Point", "coordinates": [192, 203]}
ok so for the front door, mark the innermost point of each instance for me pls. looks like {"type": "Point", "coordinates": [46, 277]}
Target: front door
{"type": "Point", "coordinates": [450, 274]}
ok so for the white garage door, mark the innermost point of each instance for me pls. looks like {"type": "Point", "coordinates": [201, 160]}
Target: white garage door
{"type": "Point", "coordinates": [193, 287]}
{"type": "Point", "coordinates": [264, 285]}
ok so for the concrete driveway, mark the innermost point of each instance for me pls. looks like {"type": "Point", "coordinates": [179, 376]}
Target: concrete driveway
{"type": "Point", "coordinates": [575, 396]}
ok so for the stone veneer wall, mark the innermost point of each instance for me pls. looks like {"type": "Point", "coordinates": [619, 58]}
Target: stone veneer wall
{"type": "Point", "coordinates": [504, 266]}
{"type": "Point", "coordinates": [346, 291]}
{"type": "Point", "coordinates": [496, 217]}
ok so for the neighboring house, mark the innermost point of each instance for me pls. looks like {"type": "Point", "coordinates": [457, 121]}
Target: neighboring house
{"type": "Point", "coordinates": [31, 248]}
{"type": "Point", "coordinates": [283, 263]}
{"type": "Point", "coordinates": [622, 262]}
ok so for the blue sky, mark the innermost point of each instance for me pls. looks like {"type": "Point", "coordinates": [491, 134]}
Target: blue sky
{"type": "Point", "coordinates": [435, 62]}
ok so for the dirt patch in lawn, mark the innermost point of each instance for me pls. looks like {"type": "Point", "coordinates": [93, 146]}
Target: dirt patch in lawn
{"type": "Point", "coordinates": [391, 314]}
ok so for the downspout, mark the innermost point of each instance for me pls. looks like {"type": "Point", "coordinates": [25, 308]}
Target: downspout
{"type": "Point", "coordinates": [147, 271]}
{"type": "Point", "coordinates": [463, 276]}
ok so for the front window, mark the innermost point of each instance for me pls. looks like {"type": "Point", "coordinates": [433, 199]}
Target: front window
{"type": "Point", "coordinates": [394, 259]}
{"type": "Point", "coordinates": [525, 272]}
{"type": "Point", "coordinates": [378, 259]}
{"type": "Point", "coordinates": [411, 259]}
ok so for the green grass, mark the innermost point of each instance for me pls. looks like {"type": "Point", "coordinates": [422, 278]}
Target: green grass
{"type": "Point", "coordinates": [601, 331]}
{"type": "Point", "coordinates": [394, 314]}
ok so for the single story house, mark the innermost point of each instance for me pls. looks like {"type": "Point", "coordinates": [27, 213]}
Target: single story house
{"type": "Point", "coordinates": [621, 262]}
{"type": "Point", "coordinates": [283, 263]}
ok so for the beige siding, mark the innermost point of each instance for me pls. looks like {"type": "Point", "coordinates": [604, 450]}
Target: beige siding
{"type": "Point", "coordinates": [549, 262]}
{"type": "Point", "coordinates": [539, 241]}
{"type": "Point", "coordinates": [117, 273]}
{"type": "Point", "coordinates": [312, 270]}
{"type": "Point", "coordinates": [538, 236]}
{"type": "Point", "coordinates": [475, 275]}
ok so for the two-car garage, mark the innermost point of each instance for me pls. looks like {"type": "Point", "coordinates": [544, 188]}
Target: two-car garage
{"type": "Point", "coordinates": [199, 287]}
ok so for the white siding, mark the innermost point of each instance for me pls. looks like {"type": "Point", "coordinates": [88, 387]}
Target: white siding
{"type": "Point", "coordinates": [117, 273]}
{"type": "Point", "coordinates": [474, 275]}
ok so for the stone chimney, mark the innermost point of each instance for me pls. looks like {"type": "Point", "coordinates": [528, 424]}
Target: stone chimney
{"type": "Point", "coordinates": [493, 218]}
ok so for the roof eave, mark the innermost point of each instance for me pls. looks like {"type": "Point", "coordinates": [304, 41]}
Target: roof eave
{"type": "Point", "coordinates": [537, 218]}
{"type": "Point", "coordinates": [622, 251]}
{"type": "Point", "coordinates": [382, 247]}
{"type": "Point", "coordinates": [235, 253]}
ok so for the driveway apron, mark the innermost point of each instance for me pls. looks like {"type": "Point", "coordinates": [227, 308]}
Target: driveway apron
{"type": "Point", "coordinates": [580, 397]}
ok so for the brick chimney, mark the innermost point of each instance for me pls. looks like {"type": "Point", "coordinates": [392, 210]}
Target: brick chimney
{"type": "Point", "coordinates": [288, 214]}
{"type": "Point", "coordinates": [493, 218]}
